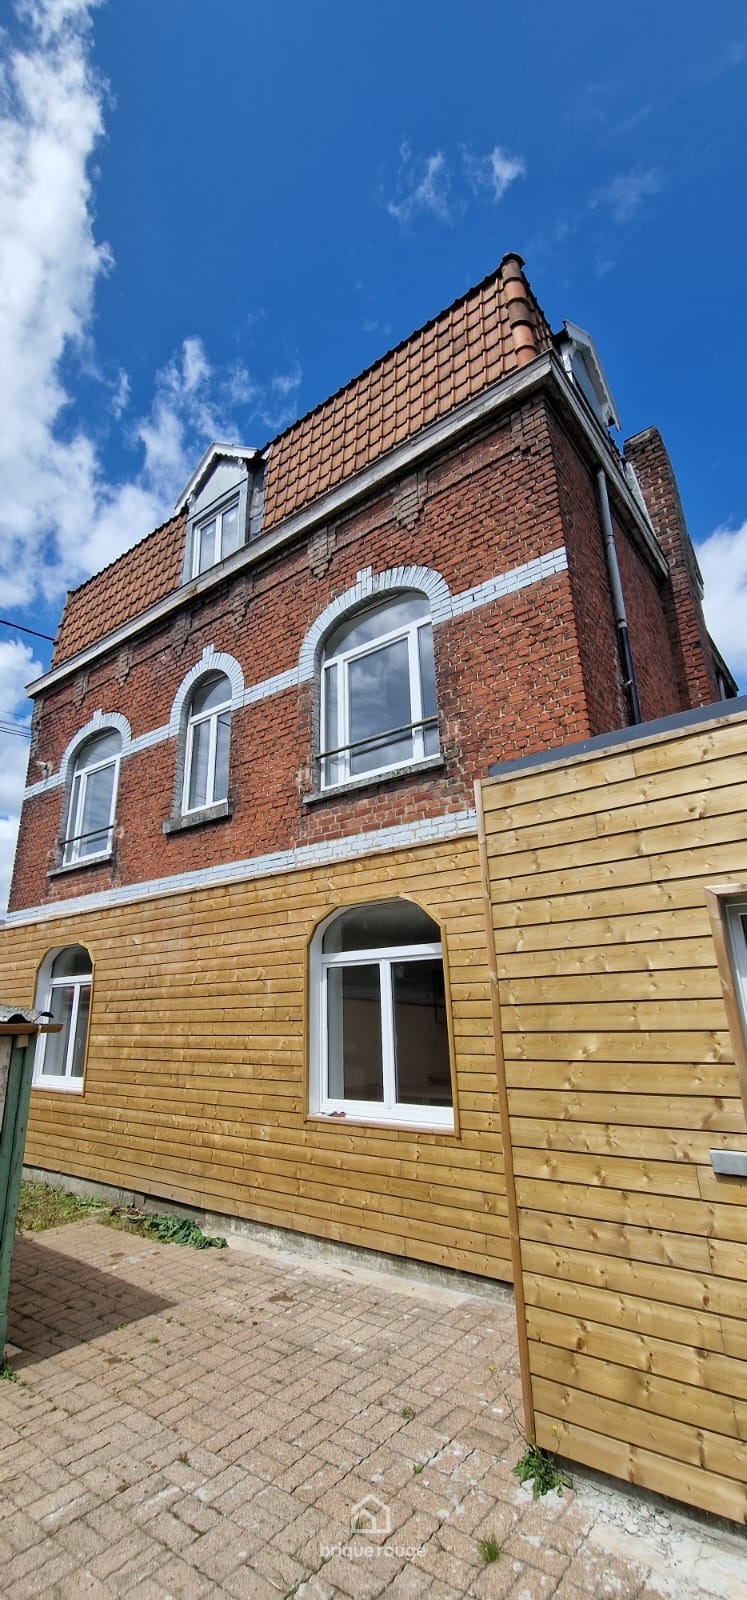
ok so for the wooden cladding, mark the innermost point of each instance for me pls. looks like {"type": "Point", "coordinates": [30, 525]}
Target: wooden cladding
{"type": "Point", "coordinates": [196, 1077]}
{"type": "Point", "coordinates": [620, 1078]}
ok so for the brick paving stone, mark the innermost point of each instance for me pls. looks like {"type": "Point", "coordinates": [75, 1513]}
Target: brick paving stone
{"type": "Point", "coordinates": [277, 1568]}
{"type": "Point", "coordinates": [410, 1583]}
{"type": "Point", "coordinates": [314, 1588]}
{"type": "Point", "coordinates": [80, 1539]}
{"type": "Point", "coordinates": [499, 1578]}
{"type": "Point", "coordinates": [19, 1533]}
{"type": "Point", "coordinates": [82, 1586]}
{"type": "Point", "coordinates": [39, 1576]}
{"type": "Point", "coordinates": [606, 1576]}
{"type": "Point", "coordinates": [131, 1555]}
{"type": "Point", "coordinates": [360, 1578]}
{"type": "Point", "coordinates": [447, 1568]}
{"type": "Point", "coordinates": [220, 1551]}
{"type": "Point", "coordinates": [533, 1550]}
{"type": "Point", "coordinates": [532, 1585]}
{"type": "Point", "coordinates": [247, 1583]}
{"type": "Point", "coordinates": [176, 1577]}
{"type": "Point", "coordinates": [570, 1589]}
{"type": "Point", "coordinates": [203, 1424]}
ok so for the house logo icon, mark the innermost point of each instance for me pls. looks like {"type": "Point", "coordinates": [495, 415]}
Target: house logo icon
{"type": "Point", "coordinates": [371, 1516]}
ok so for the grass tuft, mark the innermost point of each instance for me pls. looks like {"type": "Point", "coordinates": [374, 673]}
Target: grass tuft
{"type": "Point", "coordinates": [40, 1207]}
{"type": "Point", "coordinates": [489, 1549]}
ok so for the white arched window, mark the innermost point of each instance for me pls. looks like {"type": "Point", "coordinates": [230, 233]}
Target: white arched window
{"type": "Point", "coordinates": [378, 690]}
{"type": "Point", "coordinates": [206, 744]}
{"type": "Point", "coordinates": [379, 1034]}
{"type": "Point", "coordinates": [93, 797]}
{"type": "Point", "coordinates": [64, 991]}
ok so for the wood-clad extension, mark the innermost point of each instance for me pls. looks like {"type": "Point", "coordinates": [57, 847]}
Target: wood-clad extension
{"type": "Point", "coordinates": [195, 1084]}
{"type": "Point", "coordinates": [620, 1079]}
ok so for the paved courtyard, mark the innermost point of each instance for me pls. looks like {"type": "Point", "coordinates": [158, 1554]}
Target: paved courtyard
{"type": "Point", "coordinates": [205, 1423]}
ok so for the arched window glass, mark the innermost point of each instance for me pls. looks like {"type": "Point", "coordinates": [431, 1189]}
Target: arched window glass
{"type": "Point", "coordinates": [64, 992]}
{"type": "Point", "coordinates": [207, 743]}
{"type": "Point", "coordinates": [378, 690]}
{"type": "Point", "coordinates": [380, 1043]}
{"type": "Point", "coordinates": [93, 796]}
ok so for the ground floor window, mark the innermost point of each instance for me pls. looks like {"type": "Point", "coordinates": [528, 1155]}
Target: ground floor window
{"type": "Point", "coordinates": [64, 991]}
{"type": "Point", "coordinates": [380, 1043]}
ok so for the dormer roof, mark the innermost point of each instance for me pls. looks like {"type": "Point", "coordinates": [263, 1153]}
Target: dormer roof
{"type": "Point", "coordinates": [217, 451]}
{"type": "Point", "coordinates": [582, 364]}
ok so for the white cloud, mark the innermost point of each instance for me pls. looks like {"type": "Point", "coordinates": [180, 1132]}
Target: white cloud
{"type": "Point", "coordinates": [61, 517]}
{"type": "Point", "coordinates": [491, 175]}
{"type": "Point", "coordinates": [430, 185]}
{"type": "Point", "coordinates": [121, 394]}
{"type": "Point", "coordinates": [17, 666]}
{"type": "Point", "coordinates": [423, 186]}
{"type": "Point", "coordinates": [723, 563]}
{"type": "Point", "coordinates": [626, 194]}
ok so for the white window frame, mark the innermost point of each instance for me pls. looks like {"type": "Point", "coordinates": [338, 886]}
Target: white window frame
{"type": "Point", "coordinates": [193, 721]}
{"type": "Point", "coordinates": [389, 1110]}
{"type": "Point", "coordinates": [63, 1081]}
{"type": "Point", "coordinates": [727, 905]}
{"type": "Point", "coordinates": [72, 854]}
{"type": "Point", "coordinates": [216, 516]}
{"type": "Point", "coordinates": [339, 760]}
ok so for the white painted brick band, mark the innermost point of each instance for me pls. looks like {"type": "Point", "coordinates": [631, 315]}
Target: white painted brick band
{"type": "Point", "coordinates": [444, 606]}
{"type": "Point", "coordinates": [430, 830]}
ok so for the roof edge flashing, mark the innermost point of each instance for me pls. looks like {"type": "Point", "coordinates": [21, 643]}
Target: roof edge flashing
{"type": "Point", "coordinates": [572, 338]}
{"type": "Point", "coordinates": [217, 451]}
{"type": "Point", "coordinates": [620, 739]}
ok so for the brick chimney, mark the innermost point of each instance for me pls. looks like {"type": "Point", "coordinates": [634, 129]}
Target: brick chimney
{"type": "Point", "coordinates": [698, 684]}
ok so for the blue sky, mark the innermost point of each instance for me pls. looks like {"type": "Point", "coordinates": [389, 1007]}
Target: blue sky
{"type": "Point", "coordinates": [212, 216]}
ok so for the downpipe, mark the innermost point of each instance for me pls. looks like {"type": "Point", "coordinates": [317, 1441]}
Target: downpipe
{"type": "Point", "coordinates": [621, 622]}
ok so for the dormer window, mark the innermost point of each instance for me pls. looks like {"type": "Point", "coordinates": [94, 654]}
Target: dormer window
{"type": "Point", "coordinates": [216, 537]}
{"type": "Point", "coordinates": [223, 500]}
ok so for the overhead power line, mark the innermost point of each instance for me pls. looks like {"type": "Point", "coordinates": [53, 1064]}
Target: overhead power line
{"type": "Point", "coordinates": [20, 629]}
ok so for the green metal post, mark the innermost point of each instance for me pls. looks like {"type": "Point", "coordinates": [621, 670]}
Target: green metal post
{"type": "Point", "coordinates": [12, 1140]}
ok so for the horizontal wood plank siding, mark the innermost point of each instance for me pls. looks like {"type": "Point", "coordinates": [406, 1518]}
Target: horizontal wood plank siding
{"type": "Point", "coordinates": [621, 1078]}
{"type": "Point", "coordinates": [195, 1086]}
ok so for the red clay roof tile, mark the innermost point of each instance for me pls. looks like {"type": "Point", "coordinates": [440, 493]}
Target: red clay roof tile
{"type": "Point", "coordinates": [471, 344]}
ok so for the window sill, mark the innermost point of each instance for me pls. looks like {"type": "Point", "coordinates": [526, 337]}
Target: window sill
{"type": "Point", "coordinates": [58, 1086]}
{"type": "Point", "coordinates": [80, 866]}
{"type": "Point", "coordinates": [335, 1120]}
{"type": "Point", "coordinates": [370, 780]}
{"type": "Point", "coordinates": [196, 819]}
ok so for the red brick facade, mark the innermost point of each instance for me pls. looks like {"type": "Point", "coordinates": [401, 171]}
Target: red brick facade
{"type": "Point", "coordinates": [683, 610]}
{"type": "Point", "coordinates": [535, 667]}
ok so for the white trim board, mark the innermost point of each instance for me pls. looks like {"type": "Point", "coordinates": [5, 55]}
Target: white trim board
{"type": "Point", "coordinates": [429, 830]}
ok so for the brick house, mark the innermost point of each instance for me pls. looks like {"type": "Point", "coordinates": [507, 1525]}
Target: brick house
{"type": "Point", "coordinates": [248, 874]}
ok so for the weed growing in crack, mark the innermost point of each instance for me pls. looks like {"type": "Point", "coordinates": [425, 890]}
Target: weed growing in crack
{"type": "Point", "coordinates": [540, 1468]}
{"type": "Point", "coordinates": [489, 1549]}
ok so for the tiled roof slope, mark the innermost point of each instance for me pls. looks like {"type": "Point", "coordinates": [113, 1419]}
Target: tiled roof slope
{"type": "Point", "coordinates": [144, 574]}
{"type": "Point", "coordinates": [488, 333]}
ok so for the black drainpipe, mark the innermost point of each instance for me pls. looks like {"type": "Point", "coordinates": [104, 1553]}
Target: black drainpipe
{"type": "Point", "coordinates": [629, 684]}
